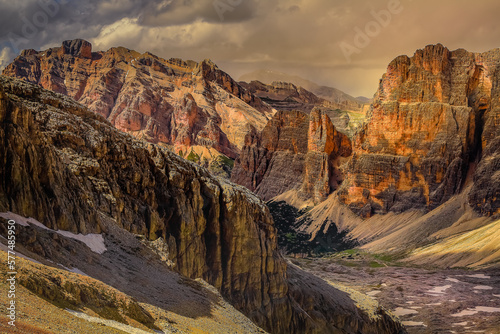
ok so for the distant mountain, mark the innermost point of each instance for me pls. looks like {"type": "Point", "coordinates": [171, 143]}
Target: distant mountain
{"type": "Point", "coordinates": [345, 101]}
{"type": "Point", "coordinates": [286, 96]}
{"type": "Point", "coordinates": [188, 106]}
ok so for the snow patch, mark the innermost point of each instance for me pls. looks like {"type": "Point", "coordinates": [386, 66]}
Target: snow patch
{"type": "Point", "coordinates": [483, 287]}
{"type": "Point", "coordinates": [454, 280]}
{"type": "Point", "coordinates": [482, 276]}
{"type": "Point", "coordinates": [93, 241]}
{"type": "Point", "coordinates": [413, 323]}
{"type": "Point", "coordinates": [475, 310]}
{"type": "Point", "coordinates": [109, 323]}
{"type": "Point", "coordinates": [439, 289]}
{"type": "Point", "coordinates": [460, 323]}
{"type": "Point", "coordinates": [373, 293]}
{"type": "Point", "coordinates": [73, 270]}
{"type": "Point", "coordinates": [12, 216]}
{"type": "Point", "coordinates": [399, 311]}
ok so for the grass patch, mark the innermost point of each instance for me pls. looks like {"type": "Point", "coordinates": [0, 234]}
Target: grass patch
{"type": "Point", "coordinates": [351, 251]}
{"type": "Point", "coordinates": [375, 264]}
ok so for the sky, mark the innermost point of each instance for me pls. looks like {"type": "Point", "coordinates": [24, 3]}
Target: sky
{"type": "Point", "coordinates": [345, 44]}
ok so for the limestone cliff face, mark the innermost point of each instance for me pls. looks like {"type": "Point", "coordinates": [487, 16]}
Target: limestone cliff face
{"type": "Point", "coordinates": [70, 168]}
{"type": "Point", "coordinates": [177, 103]}
{"type": "Point", "coordinates": [431, 117]}
{"type": "Point", "coordinates": [295, 151]}
{"type": "Point", "coordinates": [286, 96]}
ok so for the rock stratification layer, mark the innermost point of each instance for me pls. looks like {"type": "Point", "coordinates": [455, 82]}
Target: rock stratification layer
{"type": "Point", "coordinates": [174, 102]}
{"type": "Point", "coordinates": [71, 170]}
{"type": "Point", "coordinates": [434, 117]}
{"type": "Point", "coordinates": [295, 151]}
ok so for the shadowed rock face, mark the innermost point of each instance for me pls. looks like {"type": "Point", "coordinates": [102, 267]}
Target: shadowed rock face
{"type": "Point", "coordinates": [295, 151]}
{"type": "Point", "coordinates": [68, 168]}
{"type": "Point", "coordinates": [435, 114]}
{"type": "Point", "coordinates": [172, 102]}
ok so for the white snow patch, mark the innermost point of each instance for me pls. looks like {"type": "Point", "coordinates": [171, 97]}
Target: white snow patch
{"type": "Point", "coordinates": [12, 216]}
{"type": "Point", "coordinates": [483, 276]}
{"type": "Point", "coordinates": [109, 323]}
{"type": "Point", "coordinates": [413, 323]}
{"type": "Point", "coordinates": [399, 311]}
{"type": "Point", "coordinates": [483, 287]}
{"type": "Point", "coordinates": [454, 280]}
{"type": "Point", "coordinates": [496, 296]}
{"type": "Point", "coordinates": [93, 241]}
{"type": "Point", "coordinates": [373, 293]}
{"type": "Point", "coordinates": [475, 310]}
{"type": "Point", "coordinates": [460, 323]}
{"type": "Point", "coordinates": [439, 289]}
{"type": "Point", "coordinates": [73, 270]}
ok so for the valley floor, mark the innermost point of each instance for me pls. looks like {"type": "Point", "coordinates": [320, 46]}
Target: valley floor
{"type": "Point", "coordinates": [426, 300]}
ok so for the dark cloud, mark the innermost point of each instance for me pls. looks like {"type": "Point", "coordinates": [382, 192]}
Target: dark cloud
{"type": "Point", "coordinates": [302, 37]}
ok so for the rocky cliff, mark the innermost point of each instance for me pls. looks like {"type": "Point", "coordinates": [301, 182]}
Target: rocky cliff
{"type": "Point", "coordinates": [179, 103]}
{"type": "Point", "coordinates": [70, 169]}
{"type": "Point", "coordinates": [434, 117]}
{"type": "Point", "coordinates": [295, 152]}
{"type": "Point", "coordinates": [286, 96]}
{"type": "Point", "coordinates": [339, 99]}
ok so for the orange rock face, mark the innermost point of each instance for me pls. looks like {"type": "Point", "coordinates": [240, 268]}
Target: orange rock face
{"type": "Point", "coordinates": [432, 116]}
{"type": "Point", "coordinates": [173, 102]}
{"type": "Point", "coordinates": [295, 151]}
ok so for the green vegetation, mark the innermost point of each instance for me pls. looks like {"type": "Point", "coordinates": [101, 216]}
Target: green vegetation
{"type": "Point", "coordinates": [193, 157]}
{"type": "Point", "coordinates": [225, 161]}
{"type": "Point", "coordinates": [375, 264]}
{"type": "Point", "coordinates": [291, 237]}
{"type": "Point", "coordinates": [350, 251]}
{"type": "Point", "coordinates": [222, 166]}
{"type": "Point", "coordinates": [384, 257]}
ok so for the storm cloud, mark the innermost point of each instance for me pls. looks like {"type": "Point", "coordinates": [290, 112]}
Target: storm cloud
{"type": "Point", "coordinates": [340, 43]}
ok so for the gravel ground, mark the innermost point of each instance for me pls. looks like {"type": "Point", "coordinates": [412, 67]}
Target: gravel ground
{"type": "Point", "coordinates": [426, 300]}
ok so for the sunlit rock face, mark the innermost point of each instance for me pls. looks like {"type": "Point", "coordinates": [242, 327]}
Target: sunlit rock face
{"type": "Point", "coordinates": [173, 102]}
{"type": "Point", "coordinates": [295, 151]}
{"type": "Point", "coordinates": [435, 115]}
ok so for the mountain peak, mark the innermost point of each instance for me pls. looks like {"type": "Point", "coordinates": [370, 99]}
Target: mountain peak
{"type": "Point", "coordinates": [78, 48]}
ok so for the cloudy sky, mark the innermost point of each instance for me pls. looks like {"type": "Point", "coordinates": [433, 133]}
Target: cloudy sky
{"type": "Point", "coordinates": [341, 43]}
